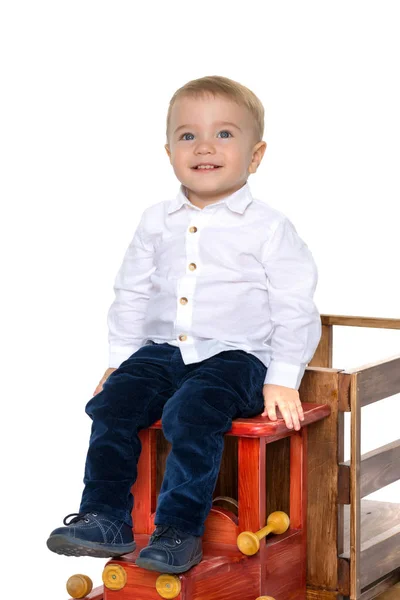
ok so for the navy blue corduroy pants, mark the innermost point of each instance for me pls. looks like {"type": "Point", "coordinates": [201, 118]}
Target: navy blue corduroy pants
{"type": "Point", "coordinates": [196, 403]}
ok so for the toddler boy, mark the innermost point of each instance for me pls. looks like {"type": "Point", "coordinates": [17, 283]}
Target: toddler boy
{"type": "Point", "coordinates": [213, 319]}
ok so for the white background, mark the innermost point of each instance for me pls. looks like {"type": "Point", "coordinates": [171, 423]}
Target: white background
{"type": "Point", "coordinates": [85, 92]}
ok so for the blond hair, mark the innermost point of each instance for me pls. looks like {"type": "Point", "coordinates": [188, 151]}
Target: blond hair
{"type": "Point", "coordinates": [222, 86]}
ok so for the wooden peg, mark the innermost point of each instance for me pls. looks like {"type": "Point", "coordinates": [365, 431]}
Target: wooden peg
{"type": "Point", "coordinates": [249, 542]}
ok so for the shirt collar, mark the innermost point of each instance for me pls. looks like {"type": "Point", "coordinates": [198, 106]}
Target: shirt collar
{"type": "Point", "coordinates": [238, 201]}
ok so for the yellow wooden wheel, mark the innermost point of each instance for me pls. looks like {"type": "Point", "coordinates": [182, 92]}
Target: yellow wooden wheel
{"type": "Point", "coordinates": [114, 576]}
{"type": "Point", "coordinates": [265, 598]}
{"type": "Point", "coordinates": [168, 586]}
{"type": "Point", "coordinates": [79, 586]}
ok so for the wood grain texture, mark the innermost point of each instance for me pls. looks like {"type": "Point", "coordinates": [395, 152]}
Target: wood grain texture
{"type": "Point", "coordinates": [298, 480]}
{"type": "Point", "coordinates": [251, 484]}
{"type": "Point", "coordinates": [344, 392]}
{"type": "Point", "coordinates": [144, 489]}
{"type": "Point", "coordinates": [221, 524]}
{"type": "Point", "coordinates": [280, 565]}
{"type": "Point", "coordinates": [323, 354]}
{"type": "Point", "coordinates": [344, 483]}
{"type": "Point", "coordinates": [223, 571]}
{"type": "Point", "coordinates": [378, 380]}
{"type": "Point", "coordinates": [347, 320]}
{"type": "Point", "coordinates": [228, 472]}
{"type": "Point", "coordinates": [391, 594]}
{"type": "Point", "coordinates": [379, 468]}
{"type": "Point", "coordinates": [380, 556]}
{"type": "Point", "coordinates": [324, 444]}
{"type": "Point", "coordinates": [386, 589]}
{"type": "Point", "coordinates": [283, 567]}
{"type": "Point", "coordinates": [322, 595]}
{"type": "Point", "coordinates": [298, 497]}
{"type": "Point", "coordinates": [355, 500]}
{"type": "Point", "coordinates": [376, 518]}
{"type": "Point", "coordinates": [278, 476]}
{"type": "Point", "coordinates": [256, 427]}
{"type": "Point", "coordinates": [380, 541]}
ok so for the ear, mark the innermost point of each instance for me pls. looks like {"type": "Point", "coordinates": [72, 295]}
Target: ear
{"type": "Point", "coordinates": [258, 153]}
{"type": "Point", "coordinates": [168, 152]}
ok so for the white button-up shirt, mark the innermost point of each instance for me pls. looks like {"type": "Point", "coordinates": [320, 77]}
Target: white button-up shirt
{"type": "Point", "coordinates": [233, 275]}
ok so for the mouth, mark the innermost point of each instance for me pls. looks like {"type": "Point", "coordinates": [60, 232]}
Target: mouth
{"type": "Point", "coordinates": [206, 168]}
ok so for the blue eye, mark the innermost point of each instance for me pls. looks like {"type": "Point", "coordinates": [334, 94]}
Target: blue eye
{"type": "Point", "coordinates": [183, 135]}
{"type": "Point", "coordinates": [223, 131]}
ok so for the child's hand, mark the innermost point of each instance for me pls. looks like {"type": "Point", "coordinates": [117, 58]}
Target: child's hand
{"type": "Point", "coordinates": [102, 380]}
{"type": "Point", "coordinates": [288, 401]}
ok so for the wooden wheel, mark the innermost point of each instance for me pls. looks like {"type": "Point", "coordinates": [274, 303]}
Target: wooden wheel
{"type": "Point", "coordinates": [79, 586]}
{"type": "Point", "coordinates": [114, 577]}
{"type": "Point", "coordinates": [168, 586]}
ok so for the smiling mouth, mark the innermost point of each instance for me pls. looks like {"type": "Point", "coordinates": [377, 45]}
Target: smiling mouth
{"type": "Point", "coordinates": [214, 168]}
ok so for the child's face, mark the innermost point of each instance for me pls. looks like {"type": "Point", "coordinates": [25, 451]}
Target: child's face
{"type": "Point", "coordinates": [198, 134]}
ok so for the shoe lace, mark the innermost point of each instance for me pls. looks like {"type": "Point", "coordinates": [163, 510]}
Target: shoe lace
{"type": "Point", "coordinates": [77, 517]}
{"type": "Point", "coordinates": [166, 531]}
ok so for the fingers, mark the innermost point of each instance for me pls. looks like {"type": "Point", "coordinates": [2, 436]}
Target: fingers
{"type": "Point", "coordinates": [292, 412]}
{"type": "Point", "coordinates": [269, 411]}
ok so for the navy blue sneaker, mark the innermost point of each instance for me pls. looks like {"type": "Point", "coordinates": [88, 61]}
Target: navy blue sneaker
{"type": "Point", "coordinates": [92, 534]}
{"type": "Point", "coordinates": [170, 551]}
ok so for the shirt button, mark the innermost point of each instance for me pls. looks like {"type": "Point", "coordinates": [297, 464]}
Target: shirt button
{"type": "Point", "coordinates": [183, 300]}
{"type": "Point", "coordinates": [193, 229]}
{"type": "Point", "coordinates": [183, 337]}
{"type": "Point", "coordinates": [192, 266]}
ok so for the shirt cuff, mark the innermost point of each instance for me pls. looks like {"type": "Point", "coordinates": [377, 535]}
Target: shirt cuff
{"type": "Point", "coordinates": [286, 374]}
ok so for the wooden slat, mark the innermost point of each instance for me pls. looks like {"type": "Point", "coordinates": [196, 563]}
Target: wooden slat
{"type": "Point", "coordinates": [376, 517]}
{"type": "Point", "coordinates": [298, 480]}
{"type": "Point", "coordinates": [379, 556]}
{"type": "Point", "coordinates": [388, 588]}
{"type": "Point", "coordinates": [323, 354]}
{"type": "Point", "coordinates": [391, 594]}
{"type": "Point", "coordinates": [251, 484]}
{"type": "Point", "coordinates": [378, 380]}
{"type": "Point", "coordinates": [344, 392]}
{"type": "Point", "coordinates": [379, 468]}
{"type": "Point", "coordinates": [380, 540]}
{"type": "Point", "coordinates": [344, 483]}
{"type": "Point", "coordinates": [256, 427]}
{"type": "Point", "coordinates": [344, 576]}
{"type": "Point", "coordinates": [360, 321]}
{"type": "Point", "coordinates": [145, 493]}
{"type": "Point", "coordinates": [321, 385]}
{"type": "Point", "coordinates": [355, 506]}
{"type": "Point", "coordinates": [340, 506]}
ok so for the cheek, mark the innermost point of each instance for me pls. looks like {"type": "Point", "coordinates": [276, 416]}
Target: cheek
{"type": "Point", "coordinates": [236, 159]}
{"type": "Point", "coordinates": [180, 157]}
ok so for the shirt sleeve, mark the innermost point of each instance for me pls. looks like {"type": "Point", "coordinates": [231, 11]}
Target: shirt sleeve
{"type": "Point", "coordinates": [291, 281]}
{"type": "Point", "coordinates": [132, 287]}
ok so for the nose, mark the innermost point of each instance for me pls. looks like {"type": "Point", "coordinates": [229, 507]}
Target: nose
{"type": "Point", "coordinates": [204, 147]}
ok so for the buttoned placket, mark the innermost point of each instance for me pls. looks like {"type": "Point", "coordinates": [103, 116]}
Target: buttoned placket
{"type": "Point", "coordinates": [186, 285]}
